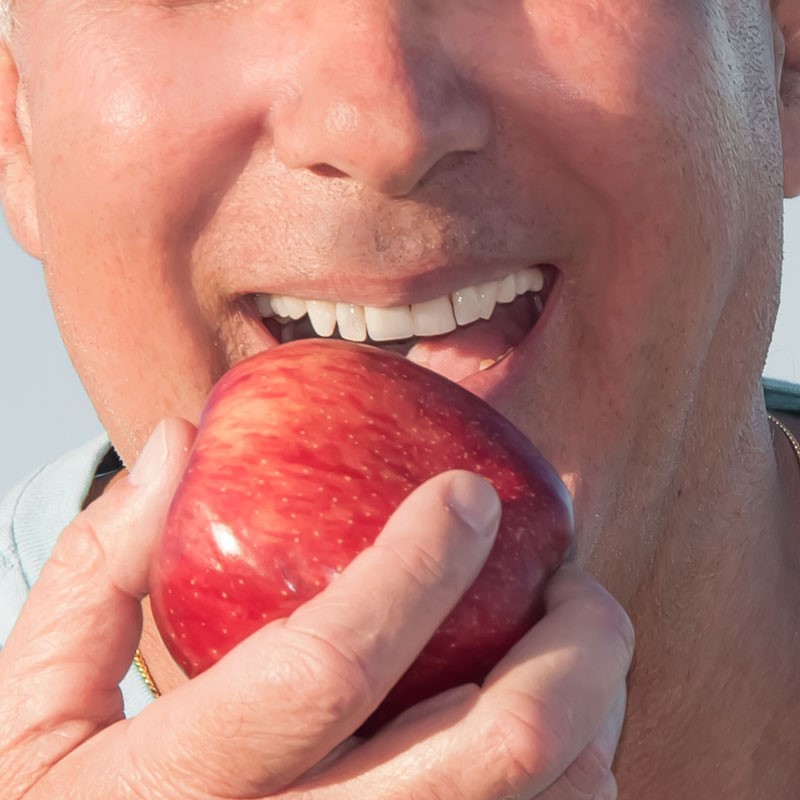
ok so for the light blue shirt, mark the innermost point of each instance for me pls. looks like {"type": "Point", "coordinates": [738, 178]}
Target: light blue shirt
{"type": "Point", "coordinates": [31, 518]}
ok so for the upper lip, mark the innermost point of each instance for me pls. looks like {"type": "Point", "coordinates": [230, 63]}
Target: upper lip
{"type": "Point", "coordinates": [415, 285]}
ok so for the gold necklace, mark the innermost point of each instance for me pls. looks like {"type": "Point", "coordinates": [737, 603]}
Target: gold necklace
{"type": "Point", "coordinates": [141, 665]}
{"type": "Point", "coordinates": [789, 435]}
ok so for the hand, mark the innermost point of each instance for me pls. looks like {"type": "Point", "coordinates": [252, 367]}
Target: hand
{"type": "Point", "coordinates": [275, 717]}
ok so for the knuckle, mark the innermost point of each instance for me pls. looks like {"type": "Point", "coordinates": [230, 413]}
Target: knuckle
{"type": "Point", "coordinates": [531, 739]}
{"type": "Point", "coordinates": [588, 773]}
{"type": "Point", "coordinates": [608, 789]}
{"type": "Point", "coordinates": [78, 548]}
{"type": "Point", "coordinates": [610, 616]}
{"type": "Point", "coordinates": [419, 564]}
{"type": "Point", "coordinates": [328, 680]}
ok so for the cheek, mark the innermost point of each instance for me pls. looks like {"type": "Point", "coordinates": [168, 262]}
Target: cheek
{"type": "Point", "coordinates": [128, 163]}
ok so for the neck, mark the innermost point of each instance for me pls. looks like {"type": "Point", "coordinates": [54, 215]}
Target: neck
{"type": "Point", "coordinates": [718, 600]}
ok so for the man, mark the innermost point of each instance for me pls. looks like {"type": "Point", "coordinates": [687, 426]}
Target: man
{"type": "Point", "coordinates": [183, 168]}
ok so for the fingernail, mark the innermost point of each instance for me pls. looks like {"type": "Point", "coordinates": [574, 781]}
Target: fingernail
{"type": "Point", "coordinates": [152, 458]}
{"type": "Point", "coordinates": [476, 502]}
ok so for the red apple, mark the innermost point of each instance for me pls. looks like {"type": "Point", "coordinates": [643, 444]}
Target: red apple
{"type": "Point", "coordinates": [302, 453]}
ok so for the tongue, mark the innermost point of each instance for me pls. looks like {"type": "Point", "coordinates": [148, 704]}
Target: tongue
{"type": "Point", "coordinates": [467, 350]}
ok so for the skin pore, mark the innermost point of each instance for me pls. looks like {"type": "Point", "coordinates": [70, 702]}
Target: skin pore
{"type": "Point", "coordinates": [166, 160]}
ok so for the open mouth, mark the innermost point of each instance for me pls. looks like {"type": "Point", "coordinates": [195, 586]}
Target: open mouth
{"type": "Point", "coordinates": [458, 334]}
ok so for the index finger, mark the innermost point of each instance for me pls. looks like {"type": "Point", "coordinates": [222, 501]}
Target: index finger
{"type": "Point", "coordinates": [537, 711]}
{"type": "Point", "coordinates": [281, 700]}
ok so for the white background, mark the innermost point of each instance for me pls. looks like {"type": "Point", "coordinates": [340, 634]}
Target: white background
{"type": "Point", "coordinates": [44, 411]}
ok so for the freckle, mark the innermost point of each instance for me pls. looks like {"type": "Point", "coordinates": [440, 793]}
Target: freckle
{"type": "Point", "coordinates": [263, 615]}
{"type": "Point", "coordinates": [183, 635]}
{"type": "Point", "coordinates": [241, 581]}
{"type": "Point", "coordinates": [284, 499]}
{"type": "Point", "coordinates": [225, 631]}
{"type": "Point", "coordinates": [296, 540]}
{"type": "Point", "coordinates": [172, 612]}
{"type": "Point", "coordinates": [196, 595]}
{"type": "Point", "coordinates": [315, 534]}
{"type": "Point", "coordinates": [284, 593]}
{"type": "Point", "coordinates": [224, 595]}
{"type": "Point", "coordinates": [339, 541]}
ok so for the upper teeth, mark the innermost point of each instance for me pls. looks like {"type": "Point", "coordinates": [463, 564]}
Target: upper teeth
{"type": "Point", "coordinates": [431, 318]}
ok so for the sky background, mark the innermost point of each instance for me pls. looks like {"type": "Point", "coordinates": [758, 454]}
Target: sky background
{"type": "Point", "coordinates": [44, 411]}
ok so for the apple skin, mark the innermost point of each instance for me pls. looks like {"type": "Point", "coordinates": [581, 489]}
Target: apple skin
{"type": "Point", "coordinates": [302, 454]}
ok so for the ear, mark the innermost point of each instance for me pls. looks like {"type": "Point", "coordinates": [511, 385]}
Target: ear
{"type": "Point", "coordinates": [787, 49]}
{"type": "Point", "coordinates": [16, 174]}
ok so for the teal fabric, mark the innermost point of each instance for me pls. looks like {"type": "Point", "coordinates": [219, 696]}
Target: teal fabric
{"type": "Point", "coordinates": [782, 395]}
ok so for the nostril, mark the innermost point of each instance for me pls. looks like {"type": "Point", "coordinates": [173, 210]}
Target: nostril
{"type": "Point", "coordinates": [327, 171]}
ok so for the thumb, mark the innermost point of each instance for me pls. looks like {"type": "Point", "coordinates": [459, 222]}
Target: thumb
{"type": "Point", "coordinates": [76, 635]}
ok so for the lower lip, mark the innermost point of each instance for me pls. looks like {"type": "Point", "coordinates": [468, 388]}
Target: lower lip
{"type": "Point", "coordinates": [492, 383]}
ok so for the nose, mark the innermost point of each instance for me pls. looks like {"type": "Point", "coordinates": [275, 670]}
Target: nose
{"type": "Point", "coordinates": [377, 99]}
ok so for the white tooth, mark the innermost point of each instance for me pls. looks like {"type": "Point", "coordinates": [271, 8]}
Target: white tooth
{"type": "Point", "coordinates": [296, 307]}
{"type": "Point", "coordinates": [487, 293]}
{"type": "Point", "coordinates": [536, 279]}
{"type": "Point", "coordinates": [351, 321]}
{"type": "Point", "coordinates": [263, 305]}
{"type": "Point", "coordinates": [433, 317]}
{"type": "Point", "coordinates": [507, 289]}
{"type": "Point", "coordinates": [278, 305]}
{"type": "Point", "coordinates": [529, 280]}
{"type": "Point", "coordinates": [323, 316]}
{"type": "Point", "coordinates": [466, 305]}
{"type": "Point", "coordinates": [387, 324]}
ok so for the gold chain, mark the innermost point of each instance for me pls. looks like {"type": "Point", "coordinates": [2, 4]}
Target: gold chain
{"type": "Point", "coordinates": [141, 665]}
{"type": "Point", "coordinates": [789, 435]}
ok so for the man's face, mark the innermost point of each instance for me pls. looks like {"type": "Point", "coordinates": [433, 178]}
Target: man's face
{"type": "Point", "coordinates": [186, 156]}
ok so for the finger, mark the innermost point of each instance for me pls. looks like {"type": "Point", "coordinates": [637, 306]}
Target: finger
{"type": "Point", "coordinates": [588, 774]}
{"type": "Point", "coordinates": [537, 712]}
{"type": "Point", "coordinates": [552, 692]}
{"type": "Point", "coordinates": [289, 694]}
{"type": "Point", "coordinates": [77, 633]}
{"type": "Point", "coordinates": [608, 789]}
